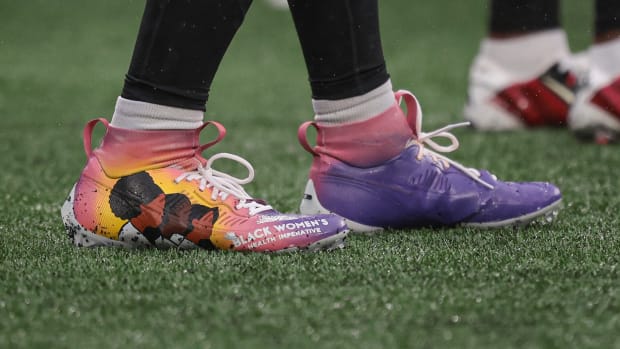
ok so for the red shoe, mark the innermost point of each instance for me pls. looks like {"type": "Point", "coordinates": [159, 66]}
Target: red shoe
{"type": "Point", "coordinates": [595, 115]}
{"type": "Point", "coordinates": [542, 101]}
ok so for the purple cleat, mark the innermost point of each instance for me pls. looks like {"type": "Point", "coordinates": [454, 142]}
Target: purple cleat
{"type": "Point", "coordinates": [420, 187]}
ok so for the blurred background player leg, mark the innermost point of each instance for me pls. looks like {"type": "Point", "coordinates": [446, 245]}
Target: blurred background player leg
{"type": "Point", "coordinates": [596, 112]}
{"type": "Point", "coordinates": [372, 163]}
{"type": "Point", "coordinates": [521, 77]}
{"type": "Point", "coordinates": [147, 183]}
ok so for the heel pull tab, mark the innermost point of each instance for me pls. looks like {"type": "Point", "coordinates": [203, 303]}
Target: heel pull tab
{"type": "Point", "coordinates": [414, 110]}
{"type": "Point", "coordinates": [88, 133]}
{"type": "Point", "coordinates": [221, 133]}
{"type": "Point", "coordinates": [302, 136]}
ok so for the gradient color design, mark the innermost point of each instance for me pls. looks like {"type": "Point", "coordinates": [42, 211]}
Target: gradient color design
{"type": "Point", "coordinates": [420, 187]}
{"type": "Point", "coordinates": [365, 143]}
{"type": "Point", "coordinates": [178, 200]}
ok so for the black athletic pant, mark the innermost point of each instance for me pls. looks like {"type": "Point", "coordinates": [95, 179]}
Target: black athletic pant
{"type": "Point", "coordinates": [181, 44]}
{"type": "Point", "coordinates": [517, 16]}
{"type": "Point", "coordinates": [607, 16]}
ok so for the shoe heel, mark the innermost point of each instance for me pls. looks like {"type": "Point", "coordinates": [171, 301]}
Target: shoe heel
{"type": "Point", "coordinates": [80, 236]}
{"type": "Point", "coordinates": [311, 205]}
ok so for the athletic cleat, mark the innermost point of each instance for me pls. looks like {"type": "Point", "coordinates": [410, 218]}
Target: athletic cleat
{"type": "Point", "coordinates": [542, 101]}
{"type": "Point", "coordinates": [596, 114]}
{"type": "Point", "coordinates": [160, 192]}
{"type": "Point", "coordinates": [420, 187]}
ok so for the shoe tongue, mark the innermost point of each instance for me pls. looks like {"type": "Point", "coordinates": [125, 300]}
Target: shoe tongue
{"type": "Point", "coordinates": [125, 151]}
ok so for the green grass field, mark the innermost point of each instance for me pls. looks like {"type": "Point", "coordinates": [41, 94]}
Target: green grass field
{"type": "Point", "coordinates": [546, 286]}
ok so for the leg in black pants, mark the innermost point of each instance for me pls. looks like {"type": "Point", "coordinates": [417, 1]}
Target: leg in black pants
{"type": "Point", "coordinates": [179, 48]}
{"type": "Point", "coordinates": [181, 44]}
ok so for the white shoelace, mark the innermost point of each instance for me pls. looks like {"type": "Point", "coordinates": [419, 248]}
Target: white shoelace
{"type": "Point", "coordinates": [426, 139]}
{"type": "Point", "coordinates": [224, 184]}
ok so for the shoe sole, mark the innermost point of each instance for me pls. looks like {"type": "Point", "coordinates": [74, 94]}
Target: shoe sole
{"type": "Point", "coordinates": [592, 124]}
{"type": "Point", "coordinates": [310, 204]}
{"type": "Point", "coordinates": [598, 134]}
{"type": "Point", "coordinates": [83, 237]}
{"type": "Point", "coordinates": [546, 215]}
{"type": "Point", "coordinates": [334, 242]}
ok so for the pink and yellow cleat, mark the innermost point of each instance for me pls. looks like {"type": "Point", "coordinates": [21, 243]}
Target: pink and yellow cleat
{"type": "Point", "coordinates": [145, 188]}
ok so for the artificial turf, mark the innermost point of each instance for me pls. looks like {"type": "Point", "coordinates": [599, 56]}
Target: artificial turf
{"type": "Point", "coordinates": [546, 286]}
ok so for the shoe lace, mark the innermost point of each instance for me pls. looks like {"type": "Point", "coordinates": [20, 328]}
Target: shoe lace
{"type": "Point", "coordinates": [424, 140]}
{"type": "Point", "coordinates": [223, 184]}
